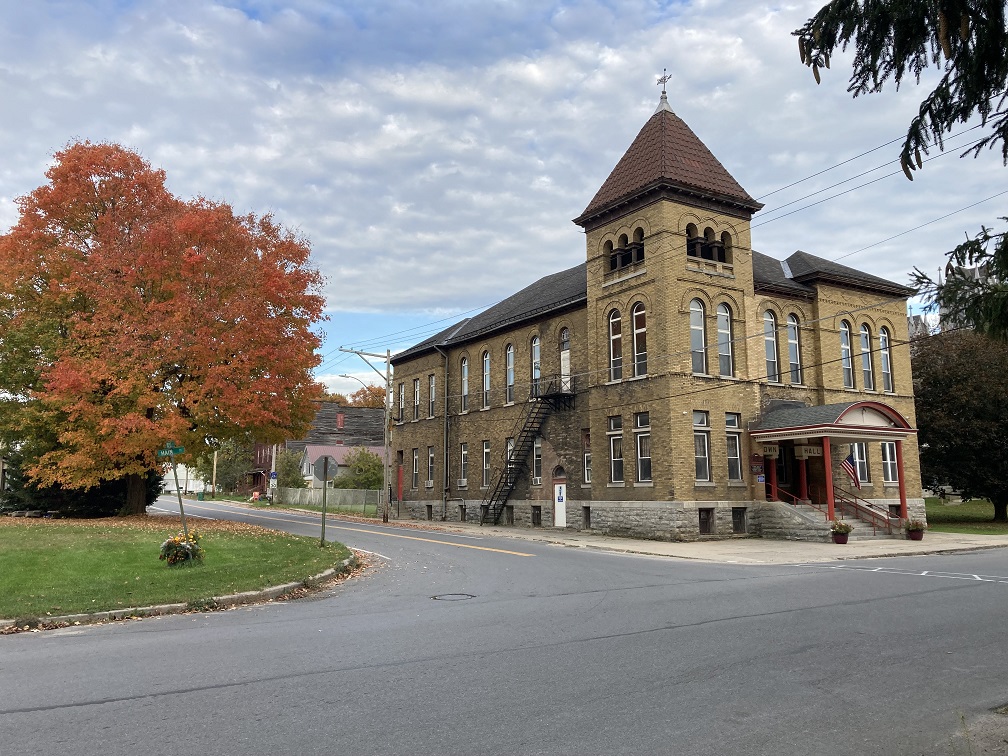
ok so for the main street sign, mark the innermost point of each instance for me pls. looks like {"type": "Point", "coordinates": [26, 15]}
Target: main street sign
{"type": "Point", "coordinates": [170, 450]}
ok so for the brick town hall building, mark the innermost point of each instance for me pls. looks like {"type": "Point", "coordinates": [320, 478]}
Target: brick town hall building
{"type": "Point", "coordinates": [676, 385]}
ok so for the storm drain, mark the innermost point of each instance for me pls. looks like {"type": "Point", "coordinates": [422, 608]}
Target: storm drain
{"type": "Point", "coordinates": [453, 596]}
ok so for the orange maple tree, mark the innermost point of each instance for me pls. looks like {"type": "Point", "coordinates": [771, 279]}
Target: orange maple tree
{"type": "Point", "coordinates": [130, 318]}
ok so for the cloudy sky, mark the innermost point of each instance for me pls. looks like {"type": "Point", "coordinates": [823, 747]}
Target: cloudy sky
{"type": "Point", "coordinates": [434, 152]}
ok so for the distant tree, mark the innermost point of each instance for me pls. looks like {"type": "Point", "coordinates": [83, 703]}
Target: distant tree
{"type": "Point", "coordinates": [365, 471]}
{"type": "Point", "coordinates": [961, 401]}
{"type": "Point", "coordinates": [368, 396]}
{"type": "Point", "coordinates": [234, 462]}
{"type": "Point", "coordinates": [288, 467]}
{"type": "Point", "coordinates": [129, 318]}
{"type": "Point", "coordinates": [967, 41]}
{"type": "Point", "coordinates": [335, 398]}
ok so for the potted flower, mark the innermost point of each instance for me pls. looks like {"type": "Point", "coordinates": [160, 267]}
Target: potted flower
{"type": "Point", "coordinates": [840, 531]}
{"type": "Point", "coordinates": [914, 530]}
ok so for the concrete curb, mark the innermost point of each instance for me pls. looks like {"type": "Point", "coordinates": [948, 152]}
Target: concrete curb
{"type": "Point", "coordinates": [215, 602]}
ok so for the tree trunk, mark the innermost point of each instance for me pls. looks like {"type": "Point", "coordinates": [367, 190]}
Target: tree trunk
{"type": "Point", "coordinates": [1000, 510]}
{"type": "Point", "coordinates": [136, 495]}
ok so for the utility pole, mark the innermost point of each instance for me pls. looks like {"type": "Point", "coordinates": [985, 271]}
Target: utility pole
{"type": "Point", "coordinates": [385, 415]}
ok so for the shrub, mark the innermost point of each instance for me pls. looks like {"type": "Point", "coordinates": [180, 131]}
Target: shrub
{"type": "Point", "coordinates": [181, 550]}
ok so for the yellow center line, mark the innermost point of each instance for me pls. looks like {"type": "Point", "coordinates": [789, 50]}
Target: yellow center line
{"type": "Point", "coordinates": [374, 532]}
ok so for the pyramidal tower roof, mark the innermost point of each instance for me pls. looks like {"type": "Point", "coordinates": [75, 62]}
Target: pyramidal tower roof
{"type": "Point", "coordinates": [667, 156]}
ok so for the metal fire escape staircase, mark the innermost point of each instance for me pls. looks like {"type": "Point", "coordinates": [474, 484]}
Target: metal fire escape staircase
{"type": "Point", "coordinates": [546, 396]}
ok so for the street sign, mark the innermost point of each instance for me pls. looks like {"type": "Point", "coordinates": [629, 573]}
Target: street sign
{"type": "Point", "coordinates": [171, 452]}
{"type": "Point", "coordinates": [273, 475]}
{"type": "Point", "coordinates": [323, 471]}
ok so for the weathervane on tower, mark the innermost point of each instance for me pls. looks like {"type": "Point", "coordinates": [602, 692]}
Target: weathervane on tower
{"type": "Point", "coordinates": [665, 77]}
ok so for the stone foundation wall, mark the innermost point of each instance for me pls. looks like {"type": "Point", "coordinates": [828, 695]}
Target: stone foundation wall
{"type": "Point", "coordinates": [651, 520]}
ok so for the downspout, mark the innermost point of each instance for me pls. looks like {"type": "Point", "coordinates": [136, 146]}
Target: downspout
{"type": "Point", "coordinates": [444, 478]}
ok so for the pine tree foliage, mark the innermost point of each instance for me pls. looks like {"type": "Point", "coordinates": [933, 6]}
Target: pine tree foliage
{"type": "Point", "coordinates": [967, 42]}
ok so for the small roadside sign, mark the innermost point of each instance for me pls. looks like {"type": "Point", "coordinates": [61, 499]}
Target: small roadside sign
{"type": "Point", "coordinates": [273, 475]}
{"type": "Point", "coordinates": [326, 468]}
{"type": "Point", "coordinates": [171, 452]}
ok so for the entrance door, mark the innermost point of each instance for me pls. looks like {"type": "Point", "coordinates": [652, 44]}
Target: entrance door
{"type": "Point", "coordinates": [560, 505]}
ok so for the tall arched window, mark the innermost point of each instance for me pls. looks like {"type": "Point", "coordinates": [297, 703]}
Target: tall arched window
{"type": "Point", "coordinates": [845, 354]}
{"type": "Point", "coordinates": [794, 349]}
{"type": "Point", "coordinates": [726, 361]}
{"type": "Point", "coordinates": [639, 340]}
{"type": "Point", "coordinates": [698, 337]}
{"type": "Point", "coordinates": [509, 372]}
{"type": "Point", "coordinates": [885, 358]}
{"type": "Point", "coordinates": [770, 343]}
{"type": "Point", "coordinates": [465, 384]}
{"type": "Point", "coordinates": [486, 379]}
{"type": "Point", "coordinates": [615, 347]}
{"type": "Point", "coordinates": [867, 371]}
{"type": "Point", "coordinates": [536, 365]}
{"type": "Point", "coordinates": [565, 361]}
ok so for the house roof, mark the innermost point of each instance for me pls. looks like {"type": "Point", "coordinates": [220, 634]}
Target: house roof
{"type": "Point", "coordinates": [337, 452]}
{"type": "Point", "coordinates": [868, 420]}
{"type": "Point", "coordinates": [806, 268]}
{"type": "Point", "coordinates": [798, 273]}
{"type": "Point", "coordinates": [554, 292]}
{"type": "Point", "coordinates": [343, 425]}
{"type": "Point", "coordinates": [667, 154]}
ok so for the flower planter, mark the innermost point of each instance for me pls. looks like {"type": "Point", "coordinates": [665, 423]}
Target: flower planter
{"type": "Point", "coordinates": [915, 535]}
{"type": "Point", "coordinates": [840, 537]}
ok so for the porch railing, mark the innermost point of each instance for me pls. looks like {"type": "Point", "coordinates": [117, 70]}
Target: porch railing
{"type": "Point", "coordinates": [848, 503]}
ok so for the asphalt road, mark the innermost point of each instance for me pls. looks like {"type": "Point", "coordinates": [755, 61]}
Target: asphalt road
{"type": "Point", "coordinates": [533, 649]}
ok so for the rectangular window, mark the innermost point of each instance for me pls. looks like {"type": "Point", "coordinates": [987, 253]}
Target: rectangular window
{"type": "Point", "coordinates": [701, 445]}
{"type": "Point", "coordinates": [733, 438]}
{"type": "Point", "coordinates": [706, 523]}
{"type": "Point", "coordinates": [416, 398]}
{"type": "Point", "coordinates": [465, 385]}
{"type": "Point", "coordinates": [464, 461]}
{"type": "Point", "coordinates": [860, 452]}
{"type": "Point", "coordinates": [430, 465]}
{"type": "Point", "coordinates": [642, 431]}
{"type": "Point", "coordinates": [738, 519]}
{"type": "Point", "coordinates": [537, 461]}
{"type": "Point", "coordinates": [509, 378]}
{"type": "Point", "coordinates": [486, 464]}
{"type": "Point", "coordinates": [430, 396]}
{"type": "Point", "coordinates": [616, 449]}
{"type": "Point", "coordinates": [890, 470]}
{"type": "Point", "coordinates": [402, 392]}
{"type": "Point", "coordinates": [586, 446]}
{"type": "Point", "coordinates": [415, 482]}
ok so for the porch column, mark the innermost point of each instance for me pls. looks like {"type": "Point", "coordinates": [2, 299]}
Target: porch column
{"type": "Point", "coordinates": [772, 477]}
{"type": "Point", "coordinates": [802, 479]}
{"type": "Point", "coordinates": [902, 482]}
{"type": "Point", "coordinates": [828, 467]}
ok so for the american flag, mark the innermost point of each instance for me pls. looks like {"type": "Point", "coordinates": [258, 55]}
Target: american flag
{"type": "Point", "coordinates": [850, 468]}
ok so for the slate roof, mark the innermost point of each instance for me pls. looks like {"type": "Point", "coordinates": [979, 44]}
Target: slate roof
{"type": "Point", "coordinates": [805, 269]}
{"type": "Point", "coordinates": [554, 292]}
{"type": "Point", "coordinates": [769, 275]}
{"type": "Point", "coordinates": [800, 416]}
{"type": "Point", "coordinates": [362, 426]}
{"type": "Point", "coordinates": [666, 153]}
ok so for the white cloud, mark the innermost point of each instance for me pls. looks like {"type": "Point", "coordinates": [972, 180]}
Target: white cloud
{"type": "Point", "coordinates": [434, 153]}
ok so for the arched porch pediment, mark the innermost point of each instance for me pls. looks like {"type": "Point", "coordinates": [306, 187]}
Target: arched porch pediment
{"type": "Point", "coordinates": [850, 421]}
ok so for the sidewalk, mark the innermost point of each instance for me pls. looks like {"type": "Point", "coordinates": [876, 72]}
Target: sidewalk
{"type": "Point", "coordinates": [736, 550]}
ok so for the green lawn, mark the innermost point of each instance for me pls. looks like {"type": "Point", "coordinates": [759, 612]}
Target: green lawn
{"type": "Point", "coordinates": [52, 567]}
{"type": "Point", "coordinates": [974, 516]}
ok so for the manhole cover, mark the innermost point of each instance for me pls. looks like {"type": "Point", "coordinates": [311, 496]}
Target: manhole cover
{"type": "Point", "coordinates": [453, 596]}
